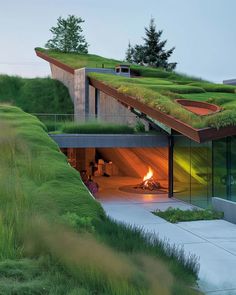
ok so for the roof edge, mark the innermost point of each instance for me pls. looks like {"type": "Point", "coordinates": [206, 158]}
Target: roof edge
{"type": "Point", "coordinates": [55, 62]}
{"type": "Point", "coordinates": [198, 135]}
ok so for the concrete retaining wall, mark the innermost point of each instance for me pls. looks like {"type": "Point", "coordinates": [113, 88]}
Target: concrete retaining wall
{"type": "Point", "coordinates": [83, 96]}
{"type": "Point", "coordinates": [226, 206]}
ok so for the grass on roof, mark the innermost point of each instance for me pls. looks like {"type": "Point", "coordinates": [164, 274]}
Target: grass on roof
{"type": "Point", "coordinates": [159, 89]}
{"type": "Point", "coordinates": [162, 97]}
{"type": "Point", "coordinates": [77, 61]}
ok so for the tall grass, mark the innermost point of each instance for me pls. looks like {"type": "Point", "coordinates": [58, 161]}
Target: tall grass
{"type": "Point", "coordinates": [96, 128]}
{"type": "Point", "coordinates": [44, 205]}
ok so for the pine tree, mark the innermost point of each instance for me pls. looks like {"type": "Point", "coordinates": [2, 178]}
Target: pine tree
{"type": "Point", "coordinates": [152, 53]}
{"type": "Point", "coordinates": [155, 53]}
{"type": "Point", "coordinates": [139, 54]}
{"type": "Point", "coordinates": [129, 53]}
{"type": "Point", "coordinates": [67, 35]}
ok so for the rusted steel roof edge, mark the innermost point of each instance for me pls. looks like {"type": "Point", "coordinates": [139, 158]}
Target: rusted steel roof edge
{"type": "Point", "coordinates": [198, 135]}
{"type": "Point", "coordinates": [55, 62]}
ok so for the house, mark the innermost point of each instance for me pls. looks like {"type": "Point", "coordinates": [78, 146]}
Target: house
{"type": "Point", "coordinates": [230, 82]}
{"type": "Point", "coordinates": [192, 153]}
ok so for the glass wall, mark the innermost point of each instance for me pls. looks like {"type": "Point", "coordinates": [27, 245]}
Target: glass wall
{"type": "Point", "coordinates": [192, 164]}
{"type": "Point", "coordinates": [219, 168]}
{"type": "Point", "coordinates": [202, 171]}
{"type": "Point", "coordinates": [224, 168]}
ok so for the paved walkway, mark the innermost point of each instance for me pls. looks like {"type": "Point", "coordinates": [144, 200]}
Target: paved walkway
{"type": "Point", "coordinates": [214, 242]}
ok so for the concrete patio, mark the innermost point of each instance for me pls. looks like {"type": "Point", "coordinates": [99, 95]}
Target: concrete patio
{"type": "Point", "coordinates": [214, 242]}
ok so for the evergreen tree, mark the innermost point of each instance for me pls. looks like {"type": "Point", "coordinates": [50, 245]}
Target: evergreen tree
{"type": "Point", "coordinates": [129, 53]}
{"type": "Point", "coordinates": [155, 53]}
{"type": "Point", "coordinates": [139, 54]}
{"type": "Point", "coordinates": [67, 35]}
{"type": "Point", "coordinates": [152, 53]}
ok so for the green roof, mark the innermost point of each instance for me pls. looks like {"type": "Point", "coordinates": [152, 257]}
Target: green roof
{"type": "Point", "coordinates": [159, 89]}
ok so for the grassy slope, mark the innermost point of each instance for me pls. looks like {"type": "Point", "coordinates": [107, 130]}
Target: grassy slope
{"type": "Point", "coordinates": [159, 88]}
{"type": "Point", "coordinates": [37, 95]}
{"type": "Point", "coordinates": [44, 214]}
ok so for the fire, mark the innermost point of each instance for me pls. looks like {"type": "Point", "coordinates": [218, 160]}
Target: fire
{"type": "Point", "coordinates": [149, 175]}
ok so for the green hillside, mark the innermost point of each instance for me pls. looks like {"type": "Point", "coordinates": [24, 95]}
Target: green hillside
{"type": "Point", "coordinates": [55, 238]}
{"type": "Point", "coordinates": [38, 95]}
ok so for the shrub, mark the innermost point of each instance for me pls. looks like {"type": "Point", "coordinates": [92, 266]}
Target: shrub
{"type": "Point", "coordinates": [177, 215]}
{"type": "Point", "coordinates": [140, 127]}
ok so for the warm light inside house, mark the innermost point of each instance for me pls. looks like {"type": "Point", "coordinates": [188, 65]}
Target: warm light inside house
{"type": "Point", "coordinates": [149, 174]}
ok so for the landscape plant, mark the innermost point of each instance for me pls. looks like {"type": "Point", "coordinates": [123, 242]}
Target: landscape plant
{"type": "Point", "coordinates": [175, 215]}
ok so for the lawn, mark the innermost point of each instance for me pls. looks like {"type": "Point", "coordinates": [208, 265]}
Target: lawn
{"type": "Point", "coordinates": [56, 239]}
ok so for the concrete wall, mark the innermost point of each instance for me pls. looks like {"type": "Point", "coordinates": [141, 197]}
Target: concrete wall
{"type": "Point", "coordinates": [226, 206]}
{"type": "Point", "coordinates": [78, 88]}
{"type": "Point", "coordinates": [66, 78]}
{"type": "Point", "coordinates": [83, 96]}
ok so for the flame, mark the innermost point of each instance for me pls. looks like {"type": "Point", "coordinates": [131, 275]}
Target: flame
{"type": "Point", "coordinates": [149, 174]}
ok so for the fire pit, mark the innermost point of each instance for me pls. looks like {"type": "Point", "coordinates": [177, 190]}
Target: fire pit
{"type": "Point", "coordinates": [149, 185]}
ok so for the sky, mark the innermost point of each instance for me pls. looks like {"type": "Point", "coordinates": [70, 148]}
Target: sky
{"type": "Point", "coordinates": [203, 32]}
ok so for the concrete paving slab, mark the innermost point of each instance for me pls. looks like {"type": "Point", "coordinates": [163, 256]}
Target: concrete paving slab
{"type": "Point", "coordinates": [217, 266]}
{"type": "Point", "coordinates": [228, 246]}
{"type": "Point", "coordinates": [212, 230]}
{"type": "Point", "coordinates": [131, 214]}
{"type": "Point", "coordinates": [214, 242]}
{"type": "Point", "coordinates": [171, 233]}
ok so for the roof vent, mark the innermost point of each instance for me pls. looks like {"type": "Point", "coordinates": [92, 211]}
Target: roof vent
{"type": "Point", "coordinates": [123, 70]}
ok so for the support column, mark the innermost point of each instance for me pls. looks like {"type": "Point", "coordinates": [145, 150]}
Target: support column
{"type": "Point", "coordinates": [228, 167]}
{"type": "Point", "coordinates": [81, 95]}
{"type": "Point", "coordinates": [170, 166]}
{"type": "Point", "coordinates": [87, 113]}
{"type": "Point", "coordinates": [97, 103]}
